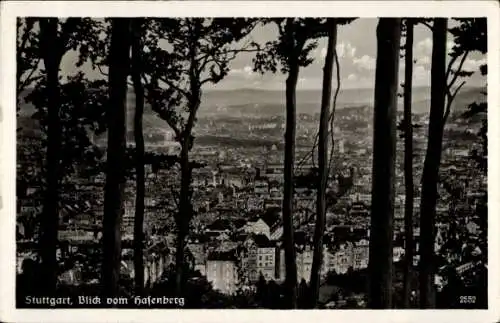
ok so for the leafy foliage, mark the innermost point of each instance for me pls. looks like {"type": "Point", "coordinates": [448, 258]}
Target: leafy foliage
{"type": "Point", "coordinates": [82, 111]}
{"type": "Point", "coordinates": [82, 101]}
{"type": "Point", "coordinates": [296, 37]}
{"type": "Point", "coordinates": [27, 58]}
{"type": "Point", "coordinates": [469, 35]}
{"type": "Point", "coordinates": [200, 292]}
{"type": "Point", "coordinates": [180, 56]}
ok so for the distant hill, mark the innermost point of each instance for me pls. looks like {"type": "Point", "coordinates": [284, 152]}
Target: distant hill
{"type": "Point", "coordinates": [308, 101]}
{"type": "Point", "coordinates": [255, 102]}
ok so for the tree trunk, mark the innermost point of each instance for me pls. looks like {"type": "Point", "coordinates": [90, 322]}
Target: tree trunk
{"type": "Point", "coordinates": [288, 188]}
{"type": "Point", "coordinates": [115, 173]}
{"type": "Point", "coordinates": [408, 164]}
{"type": "Point", "coordinates": [432, 161]}
{"type": "Point", "coordinates": [50, 221]}
{"type": "Point", "coordinates": [139, 160]}
{"type": "Point", "coordinates": [323, 162]}
{"type": "Point", "coordinates": [185, 205]}
{"type": "Point", "coordinates": [384, 155]}
{"type": "Point", "coordinates": [184, 217]}
{"type": "Point", "coordinates": [179, 260]}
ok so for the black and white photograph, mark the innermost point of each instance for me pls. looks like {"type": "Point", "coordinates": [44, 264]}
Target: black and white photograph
{"type": "Point", "coordinates": [278, 162]}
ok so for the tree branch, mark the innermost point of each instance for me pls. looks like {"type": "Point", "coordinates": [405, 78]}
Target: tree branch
{"type": "Point", "coordinates": [219, 65]}
{"type": "Point", "coordinates": [155, 107]}
{"type": "Point", "coordinates": [195, 88]}
{"type": "Point", "coordinates": [165, 80]}
{"type": "Point", "coordinates": [20, 49]}
{"type": "Point", "coordinates": [29, 79]}
{"type": "Point", "coordinates": [311, 31]}
{"type": "Point", "coordinates": [449, 67]}
{"type": "Point", "coordinates": [244, 49]}
{"type": "Point", "coordinates": [457, 89]}
{"type": "Point", "coordinates": [334, 107]}
{"type": "Point", "coordinates": [212, 57]}
{"type": "Point", "coordinates": [192, 117]}
{"type": "Point", "coordinates": [101, 71]}
{"type": "Point", "coordinates": [330, 119]}
{"type": "Point", "coordinates": [176, 197]}
{"type": "Point", "coordinates": [206, 60]}
{"type": "Point", "coordinates": [207, 80]}
{"type": "Point", "coordinates": [67, 28]}
{"type": "Point", "coordinates": [426, 24]}
{"type": "Point", "coordinates": [450, 97]}
{"type": "Point", "coordinates": [455, 77]}
{"type": "Point", "coordinates": [29, 26]}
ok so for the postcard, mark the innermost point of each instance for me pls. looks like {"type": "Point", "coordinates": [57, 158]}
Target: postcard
{"type": "Point", "coordinates": [245, 161]}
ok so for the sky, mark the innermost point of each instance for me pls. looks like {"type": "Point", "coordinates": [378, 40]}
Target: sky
{"type": "Point", "coordinates": [356, 46]}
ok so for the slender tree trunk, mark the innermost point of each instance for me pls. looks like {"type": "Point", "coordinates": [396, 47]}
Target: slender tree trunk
{"type": "Point", "coordinates": [115, 173]}
{"type": "Point", "coordinates": [184, 217]}
{"type": "Point", "coordinates": [431, 164]}
{"type": "Point", "coordinates": [185, 205]}
{"type": "Point", "coordinates": [50, 221]}
{"type": "Point", "coordinates": [179, 259]}
{"type": "Point", "coordinates": [139, 160]}
{"type": "Point", "coordinates": [384, 155]}
{"type": "Point", "coordinates": [288, 189]}
{"type": "Point", "coordinates": [408, 164]}
{"type": "Point", "coordinates": [323, 162]}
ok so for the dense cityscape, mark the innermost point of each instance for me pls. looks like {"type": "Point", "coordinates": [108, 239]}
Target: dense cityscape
{"type": "Point", "coordinates": [236, 233]}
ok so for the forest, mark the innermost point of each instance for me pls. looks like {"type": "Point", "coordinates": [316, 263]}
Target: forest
{"type": "Point", "coordinates": [167, 62]}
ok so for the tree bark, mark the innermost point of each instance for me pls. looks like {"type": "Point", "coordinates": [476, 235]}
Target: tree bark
{"type": "Point", "coordinates": [52, 55]}
{"type": "Point", "coordinates": [186, 141]}
{"type": "Point", "coordinates": [184, 217]}
{"type": "Point", "coordinates": [408, 164]}
{"type": "Point", "coordinates": [323, 162]}
{"type": "Point", "coordinates": [139, 160]}
{"type": "Point", "coordinates": [115, 173]}
{"type": "Point", "coordinates": [288, 189]}
{"type": "Point", "coordinates": [432, 161]}
{"type": "Point", "coordinates": [384, 155]}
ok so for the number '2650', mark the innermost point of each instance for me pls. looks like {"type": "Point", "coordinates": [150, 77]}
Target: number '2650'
{"type": "Point", "coordinates": [467, 299]}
